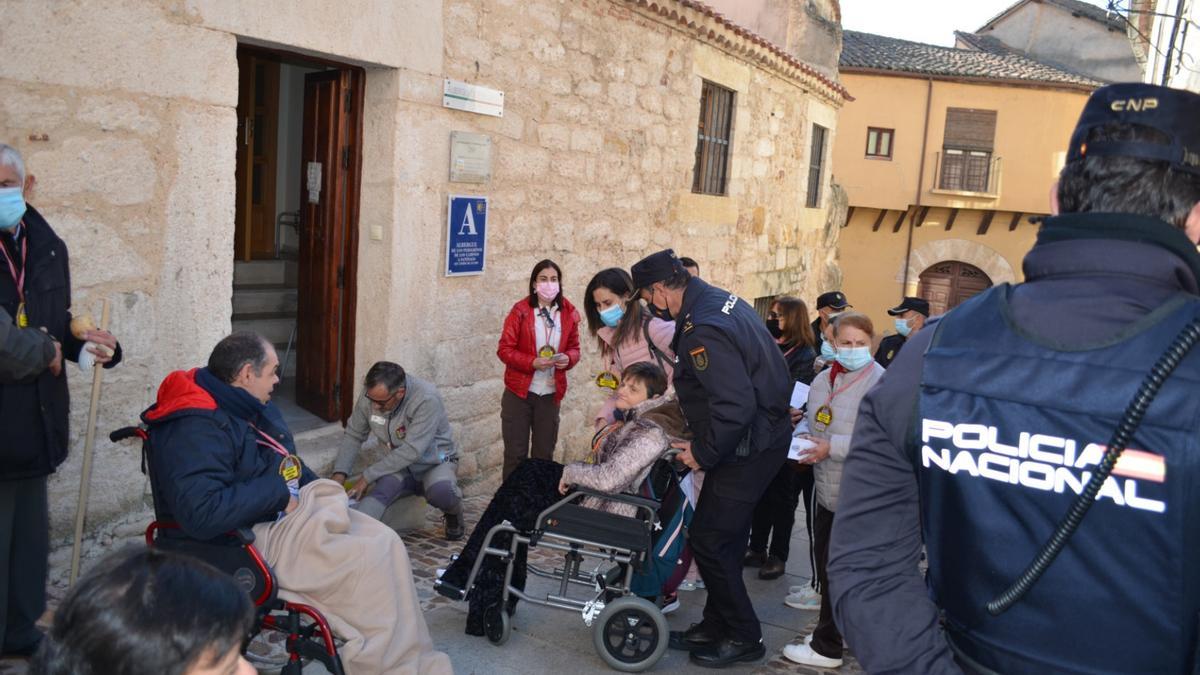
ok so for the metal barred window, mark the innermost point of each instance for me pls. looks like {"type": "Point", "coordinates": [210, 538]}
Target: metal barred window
{"type": "Point", "coordinates": [712, 140]}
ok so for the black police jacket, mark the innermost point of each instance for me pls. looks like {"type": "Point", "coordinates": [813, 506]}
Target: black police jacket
{"type": "Point", "coordinates": [34, 438]}
{"type": "Point", "coordinates": [1089, 277]}
{"type": "Point", "coordinates": [889, 347]}
{"type": "Point", "coordinates": [731, 379]}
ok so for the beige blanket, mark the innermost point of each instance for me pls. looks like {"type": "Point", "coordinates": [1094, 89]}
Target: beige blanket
{"type": "Point", "coordinates": [356, 571]}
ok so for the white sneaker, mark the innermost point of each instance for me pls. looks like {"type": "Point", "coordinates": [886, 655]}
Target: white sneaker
{"type": "Point", "coordinates": [805, 598]}
{"type": "Point", "coordinates": [691, 585]}
{"type": "Point", "coordinates": [803, 588]}
{"type": "Point", "coordinates": [804, 654]}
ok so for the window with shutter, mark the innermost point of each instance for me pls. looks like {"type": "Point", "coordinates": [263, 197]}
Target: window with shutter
{"type": "Point", "coordinates": [879, 142]}
{"type": "Point", "coordinates": [816, 159]}
{"type": "Point", "coordinates": [967, 149]}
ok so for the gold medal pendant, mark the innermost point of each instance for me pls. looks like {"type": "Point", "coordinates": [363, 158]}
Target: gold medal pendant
{"type": "Point", "coordinates": [607, 380]}
{"type": "Point", "coordinates": [824, 416]}
{"type": "Point", "coordinates": [22, 317]}
{"type": "Point", "coordinates": [289, 468]}
{"type": "Point", "coordinates": [546, 352]}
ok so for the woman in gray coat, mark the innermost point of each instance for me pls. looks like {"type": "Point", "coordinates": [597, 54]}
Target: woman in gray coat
{"type": "Point", "coordinates": [832, 411]}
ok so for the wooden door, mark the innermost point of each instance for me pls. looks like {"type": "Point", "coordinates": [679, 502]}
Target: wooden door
{"type": "Point", "coordinates": [328, 216]}
{"type": "Point", "coordinates": [257, 157]}
{"type": "Point", "coordinates": [948, 284]}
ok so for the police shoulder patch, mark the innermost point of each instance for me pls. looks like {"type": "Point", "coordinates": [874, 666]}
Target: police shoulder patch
{"type": "Point", "coordinates": [699, 358]}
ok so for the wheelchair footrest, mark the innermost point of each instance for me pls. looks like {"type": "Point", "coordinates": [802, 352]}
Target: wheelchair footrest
{"type": "Point", "coordinates": [449, 590]}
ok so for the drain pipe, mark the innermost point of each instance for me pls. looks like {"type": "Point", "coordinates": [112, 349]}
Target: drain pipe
{"type": "Point", "coordinates": [912, 220]}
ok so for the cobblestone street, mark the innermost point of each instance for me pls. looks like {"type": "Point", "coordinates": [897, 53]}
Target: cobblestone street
{"type": "Point", "coordinates": [547, 640]}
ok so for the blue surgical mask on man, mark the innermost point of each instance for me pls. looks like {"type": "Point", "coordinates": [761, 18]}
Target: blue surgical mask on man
{"type": "Point", "coordinates": [612, 316]}
{"type": "Point", "coordinates": [902, 327]}
{"type": "Point", "coordinates": [828, 352]}
{"type": "Point", "coordinates": [12, 207]}
{"type": "Point", "coordinates": [853, 358]}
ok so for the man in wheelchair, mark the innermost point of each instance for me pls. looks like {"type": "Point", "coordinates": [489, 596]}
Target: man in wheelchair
{"type": "Point", "coordinates": [220, 458]}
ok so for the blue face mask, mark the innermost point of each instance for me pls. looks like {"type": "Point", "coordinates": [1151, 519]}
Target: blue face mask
{"type": "Point", "coordinates": [828, 352]}
{"type": "Point", "coordinates": [12, 207]}
{"type": "Point", "coordinates": [902, 327]}
{"type": "Point", "coordinates": [612, 316]}
{"type": "Point", "coordinates": [853, 358]}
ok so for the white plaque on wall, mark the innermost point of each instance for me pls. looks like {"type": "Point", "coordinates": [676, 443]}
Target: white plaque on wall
{"type": "Point", "coordinates": [470, 157]}
{"type": "Point", "coordinates": [472, 98]}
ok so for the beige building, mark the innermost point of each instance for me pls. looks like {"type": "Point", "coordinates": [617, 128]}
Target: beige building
{"type": "Point", "coordinates": [945, 155]}
{"type": "Point", "coordinates": [286, 167]}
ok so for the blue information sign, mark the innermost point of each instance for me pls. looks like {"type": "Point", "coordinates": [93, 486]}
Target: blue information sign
{"type": "Point", "coordinates": [466, 241]}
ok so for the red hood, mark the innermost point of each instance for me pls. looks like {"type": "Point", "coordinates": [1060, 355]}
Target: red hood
{"type": "Point", "coordinates": [179, 392]}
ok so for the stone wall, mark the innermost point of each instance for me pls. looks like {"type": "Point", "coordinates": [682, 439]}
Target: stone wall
{"type": "Point", "coordinates": [593, 168]}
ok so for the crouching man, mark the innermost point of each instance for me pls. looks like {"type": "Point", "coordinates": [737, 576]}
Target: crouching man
{"type": "Point", "coordinates": [221, 458]}
{"type": "Point", "coordinates": [406, 415]}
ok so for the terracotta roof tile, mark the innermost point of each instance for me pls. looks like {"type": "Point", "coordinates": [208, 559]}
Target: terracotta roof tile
{"type": "Point", "coordinates": [877, 52]}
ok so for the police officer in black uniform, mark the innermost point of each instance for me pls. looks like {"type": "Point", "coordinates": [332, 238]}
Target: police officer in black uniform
{"type": "Point", "coordinates": [733, 386]}
{"type": "Point", "coordinates": [828, 304]}
{"type": "Point", "coordinates": [988, 424]}
{"type": "Point", "coordinates": [910, 317]}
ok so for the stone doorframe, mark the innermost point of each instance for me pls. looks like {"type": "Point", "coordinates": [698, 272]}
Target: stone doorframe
{"type": "Point", "coordinates": [928, 254]}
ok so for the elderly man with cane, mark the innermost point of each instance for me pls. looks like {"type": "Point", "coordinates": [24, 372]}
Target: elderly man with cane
{"type": "Point", "coordinates": [35, 291]}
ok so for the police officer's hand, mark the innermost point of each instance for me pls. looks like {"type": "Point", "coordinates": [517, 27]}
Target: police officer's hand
{"type": "Point", "coordinates": [360, 489]}
{"type": "Point", "coordinates": [797, 415]}
{"type": "Point", "coordinates": [686, 456]}
{"type": "Point", "coordinates": [819, 452]}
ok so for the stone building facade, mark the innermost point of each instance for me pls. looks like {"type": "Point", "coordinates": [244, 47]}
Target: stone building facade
{"type": "Point", "coordinates": [128, 113]}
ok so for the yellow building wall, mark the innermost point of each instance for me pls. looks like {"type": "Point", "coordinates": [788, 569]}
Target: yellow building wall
{"type": "Point", "coordinates": [1033, 126]}
{"type": "Point", "coordinates": [873, 262]}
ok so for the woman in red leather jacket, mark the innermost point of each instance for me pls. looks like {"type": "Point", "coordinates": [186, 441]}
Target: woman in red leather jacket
{"type": "Point", "coordinates": [539, 344]}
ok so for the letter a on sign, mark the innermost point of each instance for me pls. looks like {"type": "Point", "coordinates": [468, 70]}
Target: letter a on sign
{"type": "Point", "coordinates": [468, 224]}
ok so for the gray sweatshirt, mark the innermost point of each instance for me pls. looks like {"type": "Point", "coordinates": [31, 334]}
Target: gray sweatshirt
{"type": "Point", "coordinates": [24, 352]}
{"type": "Point", "coordinates": [417, 431]}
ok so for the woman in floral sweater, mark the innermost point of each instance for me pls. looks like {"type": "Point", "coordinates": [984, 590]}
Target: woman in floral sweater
{"type": "Point", "coordinates": [622, 454]}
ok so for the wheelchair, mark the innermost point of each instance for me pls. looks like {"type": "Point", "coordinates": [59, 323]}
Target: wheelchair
{"type": "Point", "coordinates": [307, 633]}
{"type": "Point", "coordinates": [630, 633]}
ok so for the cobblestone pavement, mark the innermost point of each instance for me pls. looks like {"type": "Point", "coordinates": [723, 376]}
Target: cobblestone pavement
{"type": "Point", "coordinates": [428, 551]}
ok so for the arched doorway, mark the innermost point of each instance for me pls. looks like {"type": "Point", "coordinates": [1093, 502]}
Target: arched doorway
{"type": "Point", "coordinates": [949, 283]}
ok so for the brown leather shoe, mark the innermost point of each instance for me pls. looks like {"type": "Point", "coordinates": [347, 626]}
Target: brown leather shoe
{"type": "Point", "coordinates": [754, 558]}
{"type": "Point", "coordinates": [773, 568]}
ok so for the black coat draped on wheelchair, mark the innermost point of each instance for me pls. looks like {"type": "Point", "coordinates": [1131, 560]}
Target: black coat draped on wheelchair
{"type": "Point", "coordinates": [307, 633]}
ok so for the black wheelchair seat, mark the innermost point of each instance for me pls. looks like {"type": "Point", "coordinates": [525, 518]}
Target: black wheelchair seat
{"type": "Point", "coordinates": [600, 528]}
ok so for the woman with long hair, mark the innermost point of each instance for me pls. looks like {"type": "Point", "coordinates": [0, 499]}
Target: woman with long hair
{"type": "Point", "coordinates": [539, 344]}
{"type": "Point", "coordinates": [775, 513]}
{"type": "Point", "coordinates": [625, 332]}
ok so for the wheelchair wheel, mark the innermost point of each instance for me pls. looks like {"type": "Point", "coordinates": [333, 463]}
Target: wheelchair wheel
{"type": "Point", "coordinates": [497, 625]}
{"type": "Point", "coordinates": [631, 634]}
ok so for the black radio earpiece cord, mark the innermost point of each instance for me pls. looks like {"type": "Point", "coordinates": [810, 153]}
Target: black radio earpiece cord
{"type": "Point", "coordinates": [1121, 436]}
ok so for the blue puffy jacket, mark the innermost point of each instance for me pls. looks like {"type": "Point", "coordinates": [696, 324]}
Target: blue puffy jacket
{"type": "Point", "coordinates": [210, 470]}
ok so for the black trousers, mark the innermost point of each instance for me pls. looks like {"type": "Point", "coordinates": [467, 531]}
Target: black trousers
{"type": "Point", "coordinates": [522, 420]}
{"type": "Point", "coordinates": [528, 491]}
{"type": "Point", "coordinates": [827, 639]}
{"type": "Point", "coordinates": [775, 513]}
{"type": "Point", "coordinates": [24, 558]}
{"type": "Point", "coordinates": [718, 536]}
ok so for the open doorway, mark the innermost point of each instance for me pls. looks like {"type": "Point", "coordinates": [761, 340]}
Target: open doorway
{"type": "Point", "coordinates": [295, 234]}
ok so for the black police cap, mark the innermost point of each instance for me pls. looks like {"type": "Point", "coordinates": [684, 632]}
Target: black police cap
{"type": "Point", "coordinates": [1172, 112]}
{"type": "Point", "coordinates": [918, 305]}
{"type": "Point", "coordinates": [834, 299]}
{"type": "Point", "coordinates": [654, 268]}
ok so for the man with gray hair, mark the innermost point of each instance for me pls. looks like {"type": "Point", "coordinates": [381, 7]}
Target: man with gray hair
{"type": "Point", "coordinates": [406, 415]}
{"type": "Point", "coordinates": [35, 293]}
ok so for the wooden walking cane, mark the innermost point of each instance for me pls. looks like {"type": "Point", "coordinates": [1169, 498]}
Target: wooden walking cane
{"type": "Point", "coordinates": [85, 477]}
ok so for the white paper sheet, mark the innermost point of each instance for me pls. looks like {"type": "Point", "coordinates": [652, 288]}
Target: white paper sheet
{"type": "Point", "coordinates": [800, 448]}
{"type": "Point", "coordinates": [799, 395]}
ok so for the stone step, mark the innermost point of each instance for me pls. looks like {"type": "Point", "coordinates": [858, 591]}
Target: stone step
{"type": "Point", "coordinates": [276, 327]}
{"type": "Point", "coordinates": [257, 272]}
{"type": "Point", "coordinates": [264, 298]}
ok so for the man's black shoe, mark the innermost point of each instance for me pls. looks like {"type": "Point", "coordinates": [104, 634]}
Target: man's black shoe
{"type": "Point", "coordinates": [454, 527]}
{"type": "Point", "coordinates": [754, 559]}
{"type": "Point", "coordinates": [695, 637]}
{"type": "Point", "coordinates": [728, 652]}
